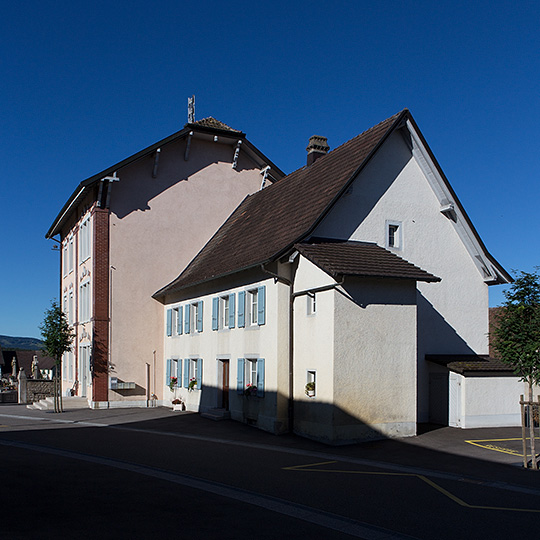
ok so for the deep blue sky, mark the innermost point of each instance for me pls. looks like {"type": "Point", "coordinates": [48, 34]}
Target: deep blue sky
{"type": "Point", "coordinates": [84, 85]}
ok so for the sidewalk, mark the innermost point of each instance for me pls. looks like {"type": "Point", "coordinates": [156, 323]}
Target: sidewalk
{"type": "Point", "coordinates": [492, 458]}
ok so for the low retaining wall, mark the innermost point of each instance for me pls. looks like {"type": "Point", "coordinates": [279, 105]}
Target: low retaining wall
{"type": "Point", "coordinates": [38, 389]}
{"type": "Point", "coordinates": [8, 397]}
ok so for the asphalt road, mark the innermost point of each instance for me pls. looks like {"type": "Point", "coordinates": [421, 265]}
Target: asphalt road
{"type": "Point", "coordinates": [159, 474]}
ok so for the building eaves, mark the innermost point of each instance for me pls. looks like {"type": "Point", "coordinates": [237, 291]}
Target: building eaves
{"type": "Point", "coordinates": [361, 259]}
{"type": "Point", "coordinates": [470, 363]}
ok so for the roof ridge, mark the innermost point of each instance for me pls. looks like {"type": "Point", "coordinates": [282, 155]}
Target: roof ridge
{"type": "Point", "coordinates": [213, 123]}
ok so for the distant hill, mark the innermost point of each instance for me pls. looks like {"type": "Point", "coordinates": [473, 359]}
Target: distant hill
{"type": "Point", "coordinates": [21, 343]}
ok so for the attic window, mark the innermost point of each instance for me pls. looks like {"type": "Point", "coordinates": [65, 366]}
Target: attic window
{"type": "Point", "coordinates": [393, 235]}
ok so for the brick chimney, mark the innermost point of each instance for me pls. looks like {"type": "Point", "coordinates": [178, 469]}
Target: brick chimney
{"type": "Point", "coordinates": [316, 148]}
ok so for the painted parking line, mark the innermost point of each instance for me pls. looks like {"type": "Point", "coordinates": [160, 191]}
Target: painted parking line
{"type": "Point", "coordinates": [488, 444]}
{"type": "Point", "coordinates": [313, 467]}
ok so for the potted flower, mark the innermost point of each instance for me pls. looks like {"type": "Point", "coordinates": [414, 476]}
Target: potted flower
{"type": "Point", "coordinates": [172, 383]}
{"type": "Point", "coordinates": [310, 389]}
{"type": "Point", "coordinates": [251, 390]}
{"type": "Point", "coordinates": [192, 384]}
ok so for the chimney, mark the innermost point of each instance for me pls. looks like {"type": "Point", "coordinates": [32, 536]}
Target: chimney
{"type": "Point", "coordinates": [317, 147]}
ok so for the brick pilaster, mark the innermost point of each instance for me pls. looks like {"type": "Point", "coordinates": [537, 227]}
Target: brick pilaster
{"type": "Point", "coordinates": [100, 306]}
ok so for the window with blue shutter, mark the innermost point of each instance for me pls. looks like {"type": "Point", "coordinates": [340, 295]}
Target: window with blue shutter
{"type": "Point", "coordinates": [168, 373]}
{"type": "Point", "coordinates": [186, 372]}
{"type": "Point", "coordinates": [179, 373]}
{"type": "Point", "coordinates": [241, 309]}
{"type": "Point", "coordinates": [232, 298]}
{"type": "Point", "coordinates": [260, 377]}
{"type": "Point", "coordinates": [199, 316]}
{"type": "Point", "coordinates": [199, 373]}
{"type": "Point", "coordinates": [240, 376]}
{"type": "Point", "coordinates": [215, 313]}
{"type": "Point", "coordinates": [261, 315]}
{"type": "Point", "coordinates": [179, 318]}
{"type": "Point", "coordinates": [186, 318]}
{"type": "Point", "coordinates": [169, 322]}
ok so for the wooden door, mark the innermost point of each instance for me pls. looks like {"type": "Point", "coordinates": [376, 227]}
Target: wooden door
{"type": "Point", "coordinates": [225, 385]}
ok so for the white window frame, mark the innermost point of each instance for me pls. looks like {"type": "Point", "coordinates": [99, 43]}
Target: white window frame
{"type": "Point", "coordinates": [65, 249]}
{"type": "Point", "coordinates": [311, 376]}
{"type": "Point", "coordinates": [85, 238]}
{"type": "Point", "coordinates": [70, 254]}
{"type": "Point", "coordinates": [394, 234]}
{"type": "Point", "coordinates": [85, 311]}
{"type": "Point", "coordinates": [253, 307]}
{"type": "Point", "coordinates": [223, 311]}
{"type": "Point", "coordinates": [250, 372]}
{"type": "Point", "coordinates": [193, 316]}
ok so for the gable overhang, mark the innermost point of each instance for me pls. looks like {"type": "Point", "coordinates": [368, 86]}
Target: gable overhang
{"type": "Point", "coordinates": [196, 131]}
{"type": "Point", "coordinates": [450, 206]}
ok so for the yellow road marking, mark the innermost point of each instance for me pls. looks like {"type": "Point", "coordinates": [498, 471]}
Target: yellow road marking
{"type": "Point", "coordinates": [445, 492]}
{"type": "Point", "coordinates": [495, 447]}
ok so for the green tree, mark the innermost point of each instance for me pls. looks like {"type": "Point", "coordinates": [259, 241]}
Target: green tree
{"type": "Point", "coordinates": [57, 338]}
{"type": "Point", "coordinates": [517, 333]}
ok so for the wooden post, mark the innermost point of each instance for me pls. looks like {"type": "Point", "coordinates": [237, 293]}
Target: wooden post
{"type": "Point", "coordinates": [534, 464]}
{"type": "Point", "coordinates": [523, 432]}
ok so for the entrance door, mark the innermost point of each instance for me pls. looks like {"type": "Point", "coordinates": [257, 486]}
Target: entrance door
{"type": "Point", "coordinates": [225, 385]}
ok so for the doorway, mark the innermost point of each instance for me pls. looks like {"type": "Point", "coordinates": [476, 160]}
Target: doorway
{"type": "Point", "coordinates": [223, 394]}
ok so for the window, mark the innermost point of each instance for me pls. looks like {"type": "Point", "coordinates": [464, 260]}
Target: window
{"type": "Point", "coordinates": [71, 317]}
{"type": "Point", "coordinates": [251, 307]}
{"type": "Point", "coordinates": [84, 314]}
{"type": "Point", "coordinates": [250, 376]}
{"type": "Point", "coordinates": [70, 365]}
{"type": "Point", "coordinates": [177, 316]}
{"type": "Point", "coordinates": [223, 311]}
{"type": "Point", "coordinates": [311, 383]}
{"type": "Point", "coordinates": [84, 239]}
{"type": "Point", "coordinates": [174, 373]}
{"type": "Point", "coordinates": [70, 255]}
{"type": "Point", "coordinates": [393, 235]}
{"type": "Point", "coordinates": [193, 317]}
{"type": "Point", "coordinates": [311, 304]}
{"type": "Point", "coordinates": [192, 373]}
{"type": "Point", "coordinates": [65, 258]}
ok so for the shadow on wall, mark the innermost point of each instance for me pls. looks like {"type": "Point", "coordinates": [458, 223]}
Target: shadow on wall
{"type": "Point", "coordinates": [320, 421]}
{"type": "Point", "coordinates": [137, 187]}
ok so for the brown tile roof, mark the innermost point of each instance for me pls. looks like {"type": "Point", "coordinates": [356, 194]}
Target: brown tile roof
{"type": "Point", "coordinates": [362, 259]}
{"type": "Point", "coordinates": [465, 363]}
{"type": "Point", "coordinates": [269, 222]}
{"type": "Point", "coordinates": [216, 124]}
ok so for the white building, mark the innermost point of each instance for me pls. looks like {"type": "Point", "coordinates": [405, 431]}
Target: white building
{"type": "Point", "coordinates": [360, 274]}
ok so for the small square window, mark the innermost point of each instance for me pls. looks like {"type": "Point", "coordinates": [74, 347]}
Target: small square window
{"type": "Point", "coordinates": [394, 235]}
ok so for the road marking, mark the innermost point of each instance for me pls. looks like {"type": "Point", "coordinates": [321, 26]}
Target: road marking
{"type": "Point", "coordinates": [298, 452]}
{"type": "Point", "coordinates": [316, 516]}
{"type": "Point", "coordinates": [455, 498]}
{"type": "Point", "coordinates": [497, 448]}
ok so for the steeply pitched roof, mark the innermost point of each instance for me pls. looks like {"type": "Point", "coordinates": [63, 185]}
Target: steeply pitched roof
{"type": "Point", "coordinates": [361, 259]}
{"type": "Point", "coordinates": [271, 221]}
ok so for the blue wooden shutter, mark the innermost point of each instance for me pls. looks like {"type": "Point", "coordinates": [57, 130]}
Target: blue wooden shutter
{"type": "Point", "coordinates": [169, 322]}
{"type": "Point", "coordinates": [186, 372]}
{"type": "Point", "coordinates": [186, 318]}
{"type": "Point", "coordinates": [179, 325]}
{"type": "Point", "coordinates": [199, 373]}
{"type": "Point", "coordinates": [199, 316]}
{"type": "Point", "coordinates": [179, 373]}
{"type": "Point", "coordinates": [240, 376]}
{"type": "Point", "coordinates": [168, 374]}
{"type": "Point", "coordinates": [260, 377]}
{"type": "Point", "coordinates": [241, 309]}
{"type": "Point", "coordinates": [260, 305]}
{"type": "Point", "coordinates": [232, 298]}
{"type": "Point", "coordinates": [215, 311]}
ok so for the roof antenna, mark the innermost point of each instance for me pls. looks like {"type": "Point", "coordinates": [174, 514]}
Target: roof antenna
{"type": "Point", "coordinates": [191, 109]}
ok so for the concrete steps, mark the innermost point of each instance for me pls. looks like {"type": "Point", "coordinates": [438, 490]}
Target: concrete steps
{"type": "Point", "coordinates": [47, 404]}
{"type": "Point", "coordinates": [216, 414]}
